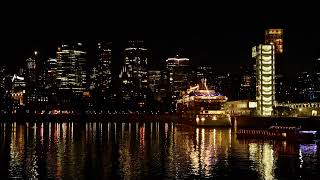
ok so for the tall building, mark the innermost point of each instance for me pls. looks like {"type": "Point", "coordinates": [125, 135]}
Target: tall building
{"type": "Point", "coordinates": [35, 95]}
{"type": "Point", "coordinates": [134, 75]}
{"type": "Point", "coordinates": [316, 70]}
{"type": "Point", "coordinates": [223, 83]}
{"type": "Point", "coordinates": [104, 65]}
{"type": "Point", "coordinates": [2, 77]}
{"type": "Point", "coordinates": [265, 78]}
{"type": "Point", "coordinates": [179, 74]}
{"type": "Point", "coordinates": [134, 70]}
{"type": "Point", "coordinates": [71, 67]}
{"type": "Point", "coordinates": [51, 68]}
{"type": "Point", "coordinates": [154, 78]}
{"type": "Point", "coordinates": [275, 36]}
{"type": "Point", "coordinates": [305, 88]}
{"type": "Point", "coordinates": [247, 83]}
{"type": "Point", "coordinates": [31, 73]}
{"type": "Point", "coordinates": [205, 72]}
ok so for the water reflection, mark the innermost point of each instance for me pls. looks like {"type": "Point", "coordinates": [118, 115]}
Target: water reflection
{"type": "Point", "coordinates": [136, 150]}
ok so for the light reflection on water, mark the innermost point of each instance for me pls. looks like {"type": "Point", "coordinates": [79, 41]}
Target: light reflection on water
{"type": "Point", "coordinates": [136, 150]}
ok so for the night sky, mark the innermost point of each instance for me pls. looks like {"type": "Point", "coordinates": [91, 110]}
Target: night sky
{"type": "Point", "coordinates": [221, 37]}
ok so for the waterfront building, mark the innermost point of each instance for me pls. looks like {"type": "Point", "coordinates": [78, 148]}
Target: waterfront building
{"type": "Point", "coordinates": [2, 77]}
{"type": "Point", "coordinates": [51, 68]}
{"type": "Point", "coordinates": [265, 78]}
{"type": "Point", "coordinates": [71, 67]}
{"type": "Point", "coordinates": [275, 37]}
{"type": "Point", "coordinates": [103, 69]}
{"type": "Point", "coordinates": [17, 91]}
{"type": "Point", "coordinates": [134, 76]}
{"type": "Point", "coordinates": [134, 70]}
{"type": "Point", "coordinates": [179, 70]}
{"type": "Point", "coordinates": [154, 78]}
{"type": "Point", "coordinates": [205, 72]}
{"type": "Point", "coordinates": [247, 83]}
{"type": "Point", "coordinates": [305, 87]}
{"type": "Point", "coordinates": [225, 83]}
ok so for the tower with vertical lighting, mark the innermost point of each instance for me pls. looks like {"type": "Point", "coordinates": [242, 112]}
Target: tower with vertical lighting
{"type": "Point", "coordinates": [265, 78]}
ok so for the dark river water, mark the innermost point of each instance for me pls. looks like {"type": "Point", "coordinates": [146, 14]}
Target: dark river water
{"type": "Point", "coordinates": [145, 151]}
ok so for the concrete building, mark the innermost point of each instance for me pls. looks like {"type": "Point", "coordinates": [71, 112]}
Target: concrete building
{"type": "Point", "coordinates": [179, 74]}
{"type": "Point", "coordinates": [265, 78]}
{"type": "Point", "coordinates": [71, 67]}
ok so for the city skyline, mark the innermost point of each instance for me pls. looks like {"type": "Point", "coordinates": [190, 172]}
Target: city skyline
{"type": "Point", "coordinates": [198, 34]}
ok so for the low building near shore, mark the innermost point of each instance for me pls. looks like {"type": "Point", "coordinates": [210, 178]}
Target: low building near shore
{"type": "Point", "coordinates": [242, 107]}
{"type": "Point", "coordinates": [305, 109]}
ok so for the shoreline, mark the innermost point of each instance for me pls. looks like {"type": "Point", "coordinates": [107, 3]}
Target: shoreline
{"type": "Point", "coordinates": [256, 122]}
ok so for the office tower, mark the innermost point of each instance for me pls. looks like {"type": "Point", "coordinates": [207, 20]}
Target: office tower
{"type": "Point", "coordinates": [2, 77]}
{"type": "Point", "coordinates": [51, 75]}
{"type": "Point", "coordinates": [93, 79]}
{"type": "Point", "coordinates": [104, 66]}
{"type": "Point", "coordinates": [154, 80]}
{"type": "Point", "coordinates": [247, 83]}
{"type": "Point", "coordinates": [71, 67]}
{"type": "Point", "coordinates": [205, 72]}
{"type": "Point", "coordinates": [305, 87]}
{"type": "Point", "coordinates": [223, 83]}
{"type": "Point", "coordinates": [316, 70]}
{"type": "Point", "coordinates": [265, 78]}
{"type": "Point", "coordinates": [179, 74]}
{"type": "Point", "coordinates": [31, 71]}
{"type": "Point", "coordinates": [133, 75]}
{"type": "Point", "coordinates": [275, 36]}
{"type": "Point", "coordinates": [35, 94]}
{"type": "Point", "coordinates": [134, 70]}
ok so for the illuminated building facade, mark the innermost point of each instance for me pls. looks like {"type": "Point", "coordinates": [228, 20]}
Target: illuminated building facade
{"type": "Point", "coordinates": [179, 70]}
{"type": "Point", "coordinates": [247, 89]}
{"type": "Point", "coordinates": [224, 83]}
{"type": "Point", "coordinates": [275, 37]}
{"type": "Point", "coordinates": [71, 67]}
{"type": "Point", "coordinates": [134, 75]}
{"type": "Point", "coordinates": [205, 72]}
{"type": "Point", "coordinates": [154, 78]}
{"type": "Point", "coordinates": [31, 72]}
{"type": "Point", "coordinates": [265, 78]}
{"type": "Point", "coordinates": [2, 77]}
{"type": "Point", "coordinates": [134, 70]}
{"type": "Point", "coordinates": [18, 91]}
{"type": "Point", "coordinates": [317, 73]}
{"type": "Point", "coordinates": [305, 88]}
{"type": "Point", "coordinates": [104, 65]}
{"type": "Point", "coordinates": [51, 74]}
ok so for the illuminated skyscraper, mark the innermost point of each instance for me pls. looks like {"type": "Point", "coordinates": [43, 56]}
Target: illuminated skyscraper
{"type": "Point", "coordinates": [205, 72]}
{"type": "Point", "coordinates": [104, 65]}
{"type": "Point", "coordinates": [134, 75]}
{"type": "Point", "coordinates": [275, 36]}
{"type": "Point", "coordinates": [71, 68]}
{"type": "Point", "coordinates": [2, 77]}
{"type": "Point", "coordinates": [317, 71]}
{"type": "Point", "coordinates": [51, 74]}
{"type": "Point", "coordinates": [154, 80]}
{"type": "Point", "coordinates": [134, 70]}
{"type": "Point", "coordinates": [31, 73]}
{"type": "Point", "coordinates": [179, 70]}
{"type": "Point", "coordinates": [265, 78]}
{"type": "Point", "coordinates": [247, 83]}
